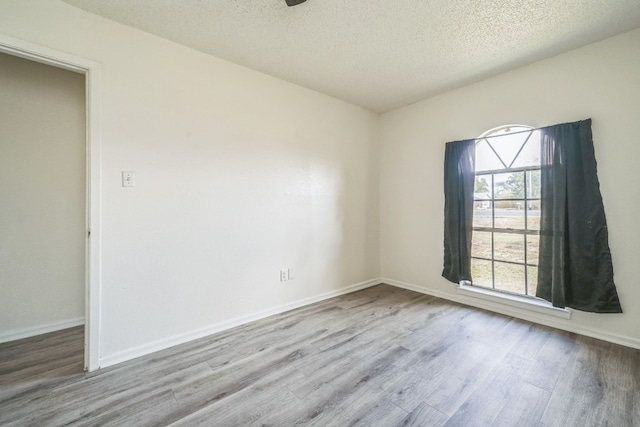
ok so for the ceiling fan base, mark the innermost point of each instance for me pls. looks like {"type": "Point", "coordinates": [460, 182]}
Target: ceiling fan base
{"type": "Point", "coordinates": [294, 2]}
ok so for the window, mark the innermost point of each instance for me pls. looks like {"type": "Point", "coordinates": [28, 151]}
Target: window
{"type": "Point", "coordinates": [523, 214]}
{"type": "Point", "coordinates": [506, 210]}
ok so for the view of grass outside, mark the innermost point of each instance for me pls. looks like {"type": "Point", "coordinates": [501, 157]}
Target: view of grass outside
{"type": "Point", "coordinates": [508, 247]}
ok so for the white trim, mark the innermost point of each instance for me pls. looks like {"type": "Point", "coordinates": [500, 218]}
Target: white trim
{"type": "Point", "coordinates": [162, 344]}
{"type": "Point", "coordinates": [519, 313]}
{"type": "Point", "coordinates": [91, 70]}
{"type": "Point", "coordinates": [42, 329]}
{"type": "Point", "coordinates": [525, 303]}
{"type": "Point", "coordinates": [94, 223]}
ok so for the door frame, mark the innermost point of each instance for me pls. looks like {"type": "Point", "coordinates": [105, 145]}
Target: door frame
{"type": "Point", "coordinates": [91, 71]}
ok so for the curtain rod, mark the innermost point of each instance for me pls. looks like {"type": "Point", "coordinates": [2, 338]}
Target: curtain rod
{"type": "Point", "coordinates": [522, 131]}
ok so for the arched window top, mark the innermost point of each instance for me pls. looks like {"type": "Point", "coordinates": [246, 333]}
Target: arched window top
{"type": "Point", "coordinates": [508, 147]}
{"type": "Point", "coordinates": [505, 130]}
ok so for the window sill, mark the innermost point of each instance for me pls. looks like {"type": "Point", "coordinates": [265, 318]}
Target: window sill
{"type": "Point", "coordinates": [536, 305]}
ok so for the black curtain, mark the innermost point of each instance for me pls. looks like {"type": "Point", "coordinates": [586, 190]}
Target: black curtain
{"type": "Point", "coordinates": [459, 179]}
{"type": "Point", "coordinates": [575, 268]}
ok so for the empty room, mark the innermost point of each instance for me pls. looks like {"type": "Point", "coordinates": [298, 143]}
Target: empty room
{"type": "Point", "coordinates": [319, 212]}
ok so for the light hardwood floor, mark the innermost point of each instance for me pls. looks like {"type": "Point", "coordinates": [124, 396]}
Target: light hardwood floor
{"type": "Point", "coordinates": [379, 357]}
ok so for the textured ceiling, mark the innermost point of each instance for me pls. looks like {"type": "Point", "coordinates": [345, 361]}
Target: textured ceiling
{"type": "Point", "coordinates": [374, 53]}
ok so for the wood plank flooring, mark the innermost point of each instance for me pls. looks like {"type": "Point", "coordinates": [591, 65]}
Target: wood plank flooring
{"type": "Point", "coordinates": [379, 357]}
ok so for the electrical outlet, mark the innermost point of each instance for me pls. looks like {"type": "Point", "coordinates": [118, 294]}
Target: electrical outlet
{"type": "Point", "coordinates": [283, 275]}
{"type": "Point", "coordinates": [290, 274]}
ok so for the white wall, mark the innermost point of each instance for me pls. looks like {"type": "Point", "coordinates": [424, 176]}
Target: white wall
{"type": "Point", "coordinates": [42, 198]}
{"type": "Point", "coordinates": [238, 175]}
{"type": "Point", "coordinates": [600, 81]}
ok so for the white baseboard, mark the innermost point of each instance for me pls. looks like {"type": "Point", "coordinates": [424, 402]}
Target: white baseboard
{"type": "Point", "coordinates": [519, 313]}
{"type": "Point", "coordinates": [39, 330]}
{"type": "Point", "coordinates": [152, 347]}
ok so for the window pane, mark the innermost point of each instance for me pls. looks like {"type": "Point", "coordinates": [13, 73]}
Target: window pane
{"type": "Point", "coordinates": [530, 154]}
{"type": "Point", "coordinates": [508, 145]}
{"type": "Point", "coordinates": [533, 243]}
{"type": "Point", "coordinates": [481, 273]}
{"type": "Point", "coordinates": [482, 214]}
{"type": "Point", "coordinates": [533, 218]}
{"type": "Point", "coordinates": [509, 218]}
{"type": "Point", "coordinates": [509, 277]}
{"type": "Point", "coordinates": [482, 187]}
{"type": "Point", "coordinates": [481, 244]}
{"type": "Point", "coordinates": [486, 159]}
{"type": "Point", "coordinates": [508, 247]}
{"type": "Point", "coordinates": [509, 185]}
{"type": "Point", "coordinates": [533, 184]}
{"type": "Point", "coordinates": [532, 280]}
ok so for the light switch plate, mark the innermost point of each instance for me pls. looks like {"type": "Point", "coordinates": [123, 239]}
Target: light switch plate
{"type": "Point", "coordinates": [128, 179]}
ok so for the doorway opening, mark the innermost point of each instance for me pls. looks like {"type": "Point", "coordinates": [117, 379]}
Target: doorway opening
{"type": "Point", "coordinates": [89, 221]}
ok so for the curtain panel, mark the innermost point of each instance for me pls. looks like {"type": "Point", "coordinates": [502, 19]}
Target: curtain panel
{"type": "Point", "coordinates": [459, 179]}
{"type": "Point", "coordinates": [575, 268]}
